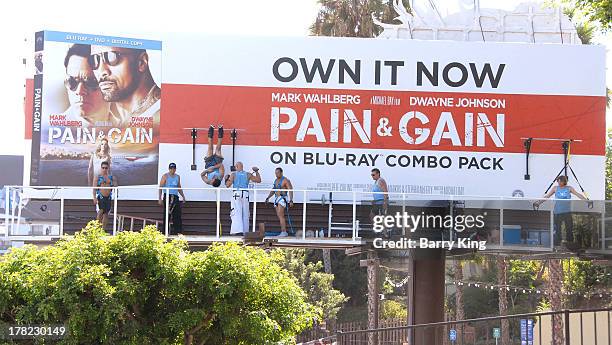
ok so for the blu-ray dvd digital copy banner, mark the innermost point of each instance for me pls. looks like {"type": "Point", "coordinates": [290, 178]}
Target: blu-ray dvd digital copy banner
{"type": "Point", "coordinates": [436, 117]}
{"type": "Point", "coordinates": [95, 99]}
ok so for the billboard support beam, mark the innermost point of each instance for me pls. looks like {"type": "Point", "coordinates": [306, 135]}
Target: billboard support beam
{"type": "Point", "coordinates": [565, 146]}
{"type": "Point", "coordinates": [194, 136]}
{"type": "Point", "coordinates": [527, 144]}
{"type": "Point", "coordinates": [233, 135]}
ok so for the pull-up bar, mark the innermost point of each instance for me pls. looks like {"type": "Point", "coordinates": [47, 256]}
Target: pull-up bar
{"type": "Point", "coordinates": [194, 136]}
{"type": "Point", "coordinates": [565, 145]}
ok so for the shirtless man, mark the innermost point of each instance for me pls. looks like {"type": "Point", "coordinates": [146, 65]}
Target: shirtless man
{"type": "Point", "coordinates": [102, 197]}
{"type": "Point", "coordinates": [214, 172]}
{"type": "Point", "coordinates": [280, 198]}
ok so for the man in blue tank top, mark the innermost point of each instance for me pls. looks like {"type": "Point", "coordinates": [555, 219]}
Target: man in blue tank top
{"type": "Point", "coordinates": [213, 162]}
{"type": "Point", "coordinates": [562, 212]}
{"type": "Point", "coordinates": [102, 197]}
{"type": "Point", "coordinates": [282, 189]}
{"type": "Point", "coordinates": [239, 180]}
{"type": "Point", "coordinates": [380, 198]}
{"type": "Point", "coordinates": [172, 180]}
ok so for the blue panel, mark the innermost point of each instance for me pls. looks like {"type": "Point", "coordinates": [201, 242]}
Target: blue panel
{"type": "Point", "coordinates": [512, 236]}
{"type": "Point", "coordinates": [110, 41]}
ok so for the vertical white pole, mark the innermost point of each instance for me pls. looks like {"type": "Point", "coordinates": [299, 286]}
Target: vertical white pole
{"type": "Point", "coordinates": [16, 207]}
{"type": "Point", "coordinates": [354, 215]}
{"type": "Point", "coordinates": [61, 220]}
{"type": "Point", "coordinates": [303, 222]}
{"type": "Point", "coordinates": [218, 231]}
{"type": "Point", "coordinates": [167, 210]}
{"type": "Point", "coordinates": [304, 215]}
{"type": "Point", "coordinates": [6, 210]}
{"type": "Point", "coordinates": [501, 223]}
{"type": "Point", "coordinates": [552, 229]}
{"type": "Point", "coordinates": [329, 218]}
{"type": "Point", "coordinates": [115, 212]}
{"type": "Point", "coordinates": [403, 213]}
{"type": "Point", "coordinates": [603, 226]}
{"type": "Point", "coordinates": [255, 209]}
{"type": "Point", "coordinates": [451, 211]}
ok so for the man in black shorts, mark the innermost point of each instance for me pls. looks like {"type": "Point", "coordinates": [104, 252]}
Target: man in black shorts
{"type": "Point", "coordinates": [102, 197]}
{"type": "Point", "coordinates": [213, 161]}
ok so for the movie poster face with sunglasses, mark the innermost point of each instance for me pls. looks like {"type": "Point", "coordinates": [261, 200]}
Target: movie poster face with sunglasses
{"type": "Point", "coordinates": [98, 99]}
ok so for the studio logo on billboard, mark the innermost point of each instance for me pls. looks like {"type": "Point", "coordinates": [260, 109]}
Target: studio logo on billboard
{"type": "Point", "coordinates": [517, 193]}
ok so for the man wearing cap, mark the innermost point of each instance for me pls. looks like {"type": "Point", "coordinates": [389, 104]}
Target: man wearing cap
{"type": "Point", "coordinates": [239, 180]}
{"type": "Point", "coordinates": [172, 181]}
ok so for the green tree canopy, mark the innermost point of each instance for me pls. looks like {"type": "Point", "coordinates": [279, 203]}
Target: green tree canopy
{"type": "Point", "coordinates": [136, 288]}
{"type": "Point", "coordinates": [599, 11]}
{"type": "Point", "coordinates": [317, 284]}
{"type": "Point", "coordinates": [352, 18]}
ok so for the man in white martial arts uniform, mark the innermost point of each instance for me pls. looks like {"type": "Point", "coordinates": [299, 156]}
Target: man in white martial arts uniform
{"type": "Point", "coordinates": [239, 180]}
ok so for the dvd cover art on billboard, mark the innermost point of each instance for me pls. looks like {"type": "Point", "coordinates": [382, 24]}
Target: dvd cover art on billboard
{"type": "Point", "coordinates": [96, 99]}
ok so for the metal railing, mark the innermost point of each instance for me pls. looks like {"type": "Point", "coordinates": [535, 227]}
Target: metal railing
{"type": "Point", "coordinates": [565, 327]}
{"type": "Point", "coordinates": [512, 224]}
{"type": "Point", "coordinates": [13, 216]}
{"type": "Point", "coordinates": [121, 219]}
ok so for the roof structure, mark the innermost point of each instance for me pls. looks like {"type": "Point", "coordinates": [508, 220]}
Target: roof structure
{"type": "Point", "coordinates": [529, 22]}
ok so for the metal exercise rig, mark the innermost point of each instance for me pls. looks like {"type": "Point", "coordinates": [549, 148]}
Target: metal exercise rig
{"type": "Point", "coordinates": [194, 136]}
{"type": "Point", "coordinates": [565, 145]}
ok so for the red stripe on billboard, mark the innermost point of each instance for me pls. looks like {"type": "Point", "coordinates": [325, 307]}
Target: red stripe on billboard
{"type": "Point", "coordinates": [27, 109]}
{"type": "Point", "coordinates": [438, 122]}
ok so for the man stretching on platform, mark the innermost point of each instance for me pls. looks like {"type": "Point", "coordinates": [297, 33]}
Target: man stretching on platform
{"type": "Point", "coordinates": [214, 172]}
{"type": "Point", "coordinates": [380, 202]}
{"type": "Point", "coordinates": [562, 213]}
{"type": "Point", "coordinates": [280, 198]}
{"type": "Point", "coordinates": [239, 180]}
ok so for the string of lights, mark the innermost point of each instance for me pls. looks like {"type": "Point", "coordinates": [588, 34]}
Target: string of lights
{"type": "Point", "coordinates": [525, 290]}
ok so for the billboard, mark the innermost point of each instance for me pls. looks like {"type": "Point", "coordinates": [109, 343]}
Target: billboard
{"type": "Point", "coordinates": [436, 117]}
{"type": "Point", "coordinates": [95, 99]}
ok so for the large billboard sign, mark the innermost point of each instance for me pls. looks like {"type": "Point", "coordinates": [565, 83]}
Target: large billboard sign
{"type": "Point", "coordinates": [436, 117]}
{"type": "Point", "coordinates": [95, 98]}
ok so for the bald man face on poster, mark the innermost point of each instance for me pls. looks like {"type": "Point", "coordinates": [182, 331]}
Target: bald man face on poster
{"type": "Point", "coordinates": [125, 80]}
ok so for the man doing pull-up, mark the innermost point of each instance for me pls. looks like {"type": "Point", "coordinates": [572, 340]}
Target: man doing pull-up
{"type": "Point", "coordinates": [213, 161]}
